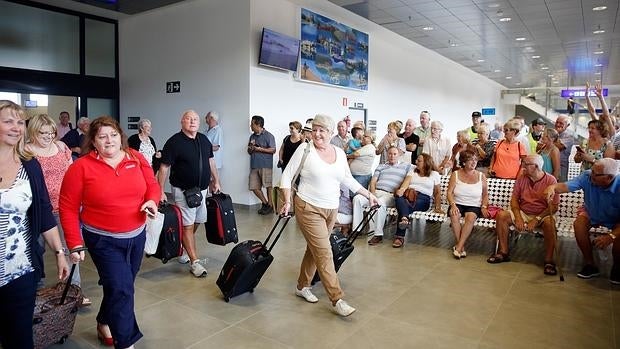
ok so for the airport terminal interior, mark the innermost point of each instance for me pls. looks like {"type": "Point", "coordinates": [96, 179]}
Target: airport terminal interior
{"type": "Point", "coordinates": [134, 59]}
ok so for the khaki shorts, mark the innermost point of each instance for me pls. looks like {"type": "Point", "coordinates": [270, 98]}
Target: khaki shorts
{"type": "Point", "coordinates": [196, 215]}
{"type": "Point", "coordinates": [260, 177]}
{"type": "Point", "coordinates": [528, 217]}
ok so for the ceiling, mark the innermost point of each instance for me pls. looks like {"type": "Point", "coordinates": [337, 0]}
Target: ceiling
{"type": "Point", "coordinates": [544, 42]}
{"type": "Point", "coordinates": [518, 43]}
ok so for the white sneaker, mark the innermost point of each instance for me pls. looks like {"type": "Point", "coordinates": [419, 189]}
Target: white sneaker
{"type": "Point", "coordinates": [184, 258]}
{"type": "Point", "coordinates": [343, 309]}
{"type": "Point", "coordinates": [306, 294]}
{"type": "Point", "coordinates": [197, 269]}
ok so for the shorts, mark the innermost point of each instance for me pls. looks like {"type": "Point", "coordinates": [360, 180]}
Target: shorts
{"type": "Point", "coordinates": [464, 209]}
{"type": "Point", "coordinates": [528, 217]}
{"type": "Point", "coordinates": [260, 177]}
{"type": "Point", "coordinates": [196, 215]}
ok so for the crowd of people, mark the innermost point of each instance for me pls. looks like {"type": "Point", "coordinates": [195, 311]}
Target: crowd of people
{"type": "Point", "coordinates": [61, 171]}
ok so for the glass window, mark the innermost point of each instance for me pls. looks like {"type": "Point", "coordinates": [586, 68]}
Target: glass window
{"type": "Point", "coordinates": [101, 106]}
{"type": "Point", "coordinates": [100, 48]}
{"type": "Point", "coordinates": [38, 39]}
{"type": "Point", "coordinates": [40, 99]}
{"type": "Point", "coordinates": [11, 96]}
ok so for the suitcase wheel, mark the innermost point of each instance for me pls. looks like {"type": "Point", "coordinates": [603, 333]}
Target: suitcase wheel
{"type": "Point", "coordinates": [251, 291]}
{"type": "Point", "coordinates": [226, 299]}
{"type": "Point", "coordinates": [62, 339]}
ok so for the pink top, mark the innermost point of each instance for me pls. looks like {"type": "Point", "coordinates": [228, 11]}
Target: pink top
{"type": "Point", "coordinates": [54, 168]}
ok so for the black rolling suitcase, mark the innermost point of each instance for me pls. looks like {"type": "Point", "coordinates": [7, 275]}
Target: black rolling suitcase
{"type": "Point", "coordinates": [247, 263]}
{"type": "Point", "coordinates": [171, 233]}
{"type": "Point", "coordinates": [342, 246]}
{"type": "Point", "coordinates": [55, 310]}
{"type": "Point", "coordinates": [221, 226]}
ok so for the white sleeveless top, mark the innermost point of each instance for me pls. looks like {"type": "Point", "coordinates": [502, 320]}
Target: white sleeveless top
{"type": "Point", "coordinates": [468, 194]}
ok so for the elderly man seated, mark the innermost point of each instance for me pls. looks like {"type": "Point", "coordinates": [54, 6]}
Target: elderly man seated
{"type": "Point", "coordinates": [601, 189]}
{"type": "Point", "coordinates": [529, 209]}
{"type": "Point", "coordinates": [387, 180]}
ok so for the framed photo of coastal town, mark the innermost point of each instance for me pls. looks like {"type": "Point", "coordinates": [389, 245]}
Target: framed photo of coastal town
{"type": "Point", "coordinates": [332, 53]}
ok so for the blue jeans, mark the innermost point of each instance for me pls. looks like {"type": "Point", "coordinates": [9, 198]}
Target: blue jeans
{"type": "Point", "coordinates": [117, 261]}
{"type": "Point", "coordinates": [17, 308]}
{"type": "Point", "coordinates": [404, 208]}
{"type": "Point", "coordinates": [363, 180]}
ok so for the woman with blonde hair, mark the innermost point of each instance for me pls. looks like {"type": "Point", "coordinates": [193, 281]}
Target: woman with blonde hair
{"type": "Point", "coordinates": [550, 152]}
{"type": "Point", "coordinates": [25, 214]}
{"type": "Point", "coordinates": [391, 139]}
{"type": "Point", "coordinates": [506, 162]}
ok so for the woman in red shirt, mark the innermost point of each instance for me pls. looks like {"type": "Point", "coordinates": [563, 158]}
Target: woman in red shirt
{"type": "Point", "coordinates": [104, 198]}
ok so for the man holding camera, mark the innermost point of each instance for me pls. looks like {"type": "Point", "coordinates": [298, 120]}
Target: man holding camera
{"type": "Point", "coordinates": [188, 155]}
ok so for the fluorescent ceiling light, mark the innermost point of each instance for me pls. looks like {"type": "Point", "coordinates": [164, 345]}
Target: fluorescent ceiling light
{"type": "Point", "coordinates": [598, 31]}
{"type": "Point", "coordinates": [520, 38]}
{"type": "Point", "coordinates": [494, 5]}
{"type": "Point", "coordinates": [505, 19]}
{"type": "Point", "coordinates": [599, 8]}
{"type": "Point", "coordinates": [544, 68]}
{"type": "Point", "coordinates": [599, 52]}
{"type": "Point", "coordinates": [535, 57]}
{"type": "Point", "coordinates": [598, 65]}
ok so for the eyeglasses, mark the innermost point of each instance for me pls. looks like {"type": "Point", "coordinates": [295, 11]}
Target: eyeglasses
{"type": "Point", "coordinates": [51, 134]}
{"type": "Point", "coordinates": [528, 164]}
{"type": "Point", "coordinates": [592, 174]}
{"type": "Point", "coordinates": [508, 129]}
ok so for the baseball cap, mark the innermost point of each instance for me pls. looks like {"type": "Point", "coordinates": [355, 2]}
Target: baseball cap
{"type": "Point", "coordinates": [538, 121]}
{"type": "Point", "coordinates": [476, 114]}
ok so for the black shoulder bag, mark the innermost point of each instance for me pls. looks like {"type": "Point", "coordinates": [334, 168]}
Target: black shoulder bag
{"type": "Point", "coordinates": [193, 196]}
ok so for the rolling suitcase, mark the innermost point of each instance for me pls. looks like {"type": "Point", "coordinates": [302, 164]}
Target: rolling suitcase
{"type": "Point", "coordinates": [221, 226]}
{"type": "Point", "coordinates": [342, 246]}
{"type": "Point", "coordinates": [247, 263]}
{"type": "Point", "coordinates": [55, 310]}
{"type": "Point", "coordinates": [171, 234]}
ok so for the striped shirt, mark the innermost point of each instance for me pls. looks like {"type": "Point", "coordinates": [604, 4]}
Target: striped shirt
{"type": "Point", "coordinates": [389, 177]}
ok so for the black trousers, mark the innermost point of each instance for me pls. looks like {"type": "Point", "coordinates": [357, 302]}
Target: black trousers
{"type": "Point", "coordinates": [16, 311]}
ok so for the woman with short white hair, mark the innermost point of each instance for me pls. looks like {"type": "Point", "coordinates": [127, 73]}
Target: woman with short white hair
{"type": "Point", "coordinates": [145, 144]}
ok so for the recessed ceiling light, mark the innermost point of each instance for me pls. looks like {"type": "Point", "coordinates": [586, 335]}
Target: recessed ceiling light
{"type": "Point", "coordinates": [505, 19]}
{"type": "Point", "coordinates": [520, 38]}
{"type": "Point", "coordinates": [597, 73]}
{"type": "Point", "coordinates": [509, 77]}
{"type": "Point", "coordinates": [535, 57]}
{"type": "Point", "coordinates": [598, 65]}
{"type": "Point", "coordinates": [598, 31]}
{"type": "Point", "coordinates": [550, 75]}
{"type": "Point", "coordinates": [428, 28]}
{"type": "Point", "coordinates": [597, 80]}
{"type": "Point", "coordinates": [544, 68]}
{"type": "Point", "coordinates": [599, 8]}
{"type": "Point", "coordinates": [496, 71]}
{"type": "Point", "coordinates": [555, 81]}
{"type": "Point", "coordinates": [480, 60]}
{"type": "Point", "coordinates": [494, 5]}
{"type": "Point", "coordinates": [454, 44]}
{"type": "Point", "coordinates": [598, 52]}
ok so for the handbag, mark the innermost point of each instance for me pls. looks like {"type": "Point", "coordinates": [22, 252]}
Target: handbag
{"type": "Point", "coordinates": [410, 195]}
{"type": "Point", "coordinates": [193, 196]}
{"type": "Point", "coordinates": [153, 231]}
{"type": "Point", "coordinates": [493, 211]}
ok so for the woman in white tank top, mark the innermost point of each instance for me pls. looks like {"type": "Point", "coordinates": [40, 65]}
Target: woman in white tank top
{"type": "Point", "coordinates": [468, 198]}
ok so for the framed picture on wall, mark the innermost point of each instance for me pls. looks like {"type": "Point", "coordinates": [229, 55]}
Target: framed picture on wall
{"type": "Point", "coordinates": [332, 53]}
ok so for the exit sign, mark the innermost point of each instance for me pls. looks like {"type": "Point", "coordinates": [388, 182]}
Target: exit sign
{"type": "Point", "coordinates": [173, 87]}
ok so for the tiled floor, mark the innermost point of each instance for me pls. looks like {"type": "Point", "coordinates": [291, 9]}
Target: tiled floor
{"type": "Point", "coordinates": [414, 297]}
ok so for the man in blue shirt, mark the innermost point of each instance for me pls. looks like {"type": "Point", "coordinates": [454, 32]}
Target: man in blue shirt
{"type": "Point", "coordinates": [261, 147]}
{"type": "Point", "coordinates": [601, 188]}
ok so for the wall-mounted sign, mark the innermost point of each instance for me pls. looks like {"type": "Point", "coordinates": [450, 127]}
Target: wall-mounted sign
{"type": "Point", "coordinates": [133, 119]}
{"type": "Point", "coordinates": [488, 111]}
{"type": "Point", "coordinates": [581, 93]}
{"type": "Point", "coordinates": [132, 126]}
{"type": "Point", "coordinates": [173, 87]}
{"type": "Point", "coordinates": [359, 105]}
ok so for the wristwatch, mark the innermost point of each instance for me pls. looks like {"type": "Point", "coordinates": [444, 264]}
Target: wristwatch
{"type": "Point", "coordinates": [62, 251]}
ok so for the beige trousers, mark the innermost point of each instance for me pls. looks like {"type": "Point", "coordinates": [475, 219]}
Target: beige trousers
{"type": "Point", "coordinates": [316, 225]}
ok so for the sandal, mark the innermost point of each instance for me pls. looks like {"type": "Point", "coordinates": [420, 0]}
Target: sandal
{"type": "Point", "coordinates": [403, 224]}
{"type": "Point", "coordinates": [398, 242]}
{"type": "Point", "coordinates": [456, 253]}
{"type": "Point", "coordinates": [499, 257]}
{"type": "Point", "coordinates": [550, 269]}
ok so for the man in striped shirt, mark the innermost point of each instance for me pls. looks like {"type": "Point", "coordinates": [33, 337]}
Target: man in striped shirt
{"type": "Point", "coordinates": [387, 179]}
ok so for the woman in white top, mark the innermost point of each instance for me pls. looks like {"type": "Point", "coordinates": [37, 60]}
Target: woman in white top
{"type": "Point", "coordinates": [425, 181]}
{"type": "Point", "coordinates": [468, 197]}
{"type": "Point", "coordinates": [363, 159]}
{"type": "Point", "coordinates": [316, 207]}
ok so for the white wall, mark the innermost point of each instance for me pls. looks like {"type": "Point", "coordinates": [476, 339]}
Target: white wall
{"type": "Point", "coordinates": [205, 45]}
{"type": "Point", "coordinates": [404, 78]}
{"type": "Point", "coordinates": [212, 47]}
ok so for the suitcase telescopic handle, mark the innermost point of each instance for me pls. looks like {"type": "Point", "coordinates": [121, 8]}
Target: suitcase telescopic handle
{"type": "Point", "coordinates": [362, 225]}
{"type": "Point", "coordinates": [280, 217]}
{"type": "Point", "coordinates": [65, 291]}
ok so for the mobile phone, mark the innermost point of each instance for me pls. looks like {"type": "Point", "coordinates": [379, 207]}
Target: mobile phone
{"type": "Point", "coordinates": [149, 212]}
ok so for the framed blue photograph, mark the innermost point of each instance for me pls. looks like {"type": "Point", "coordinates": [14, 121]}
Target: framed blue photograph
{"type": "Point", "coordinates": [332, 53]}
